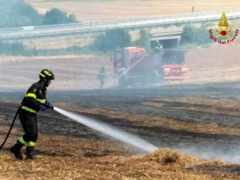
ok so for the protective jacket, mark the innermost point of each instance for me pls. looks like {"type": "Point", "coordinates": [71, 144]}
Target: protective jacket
{"type": "Point", "coordinates": [35, 95]}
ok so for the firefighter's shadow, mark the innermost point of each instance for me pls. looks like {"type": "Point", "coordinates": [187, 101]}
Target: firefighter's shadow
{"type": "Point", "coordinates": [64, 154]}
{"type": "Point", "coordinates": [84, 154]}
{"type": "Point", "coordinates": [40, 152]}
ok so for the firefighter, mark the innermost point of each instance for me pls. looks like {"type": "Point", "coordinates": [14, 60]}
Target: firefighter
{"type": "Point", "coordinates": [101, 76]}
{"type": "Point", "coordinates": [159, 46]}
{"type": "Point", "coordinates": [33, 102]}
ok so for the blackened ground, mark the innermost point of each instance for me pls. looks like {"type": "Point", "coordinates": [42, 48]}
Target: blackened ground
{"type": "Point", "coordinates": [196, 119]}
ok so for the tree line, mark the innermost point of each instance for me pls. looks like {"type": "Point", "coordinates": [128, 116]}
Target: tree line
{"type": "Point", "coordinates": [19, 13]}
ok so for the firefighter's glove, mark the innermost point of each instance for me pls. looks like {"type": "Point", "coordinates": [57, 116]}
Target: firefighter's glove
{"type": "Point", "coordinates": [43, 107]}
{"type": "Point", "coordinates": [50, 105]}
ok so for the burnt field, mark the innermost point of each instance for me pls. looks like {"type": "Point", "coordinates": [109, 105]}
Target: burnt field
{"type": "Point", "coordinates": [197, 120]}
{"type": "Point", "coordinates": [201, 120]}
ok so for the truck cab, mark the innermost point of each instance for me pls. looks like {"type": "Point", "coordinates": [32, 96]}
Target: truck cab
{"type": "Point", "coordinates": [173, 65]}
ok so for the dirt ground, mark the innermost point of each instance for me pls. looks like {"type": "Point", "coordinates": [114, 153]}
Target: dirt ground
{"type": "Point", "coordinates": [194, 123]}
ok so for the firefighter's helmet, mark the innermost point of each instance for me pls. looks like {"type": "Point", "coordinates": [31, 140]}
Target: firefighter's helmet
{"type": "Point", "coordinates": [46, 74]}
{"type": "Point", "coordinates": [159, 46]}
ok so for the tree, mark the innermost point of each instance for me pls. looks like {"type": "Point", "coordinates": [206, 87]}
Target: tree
{"type": "Point", "coordinates": [187, 34]}
{"type": "Point", "coordinates": [99, 43]}
{"type": "Point", "coordinates": [18, 14]}
{"type": "Point", "coordinates": [143, 40]}
{"type": "Point", "coordinates": [111, 40]}
{"type": "Point", "coordinates": [56, 16]}
{"type": "Point", "coordinates": [202, 35]}
{"type": "Point", "coordinates": [199, 35]}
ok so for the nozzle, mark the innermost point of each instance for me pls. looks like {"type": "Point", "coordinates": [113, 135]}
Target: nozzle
{"type": "Point", "coordinates": [50, 105]}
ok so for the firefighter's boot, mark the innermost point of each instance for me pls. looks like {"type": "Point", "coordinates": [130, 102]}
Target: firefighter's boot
{"type": "Point", "coordinates": [16, 150]}
{"type": "Point", "coordinates": [30, 152]}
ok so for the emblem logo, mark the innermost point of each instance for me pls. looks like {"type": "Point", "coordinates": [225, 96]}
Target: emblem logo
{"type": "Point", "coordinates": [223, 34]}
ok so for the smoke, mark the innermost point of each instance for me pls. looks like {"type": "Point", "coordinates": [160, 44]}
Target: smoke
{"type": "Point", "coordinates": [216, 151]}
{"type": "Point", "coordinates": [110, 131]}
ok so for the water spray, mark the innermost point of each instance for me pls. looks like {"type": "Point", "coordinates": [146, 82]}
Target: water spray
{"type": "Point", "coordinates": [110, 131]}
{"type": "Point", "coordinates": [125, 71]}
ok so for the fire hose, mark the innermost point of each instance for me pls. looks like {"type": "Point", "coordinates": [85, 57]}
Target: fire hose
{"type": "Point", "coordinates": [10, 129]}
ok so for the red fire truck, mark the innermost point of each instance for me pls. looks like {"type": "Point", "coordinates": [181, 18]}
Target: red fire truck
{"type": "Point", "coordinates": [134, 65]}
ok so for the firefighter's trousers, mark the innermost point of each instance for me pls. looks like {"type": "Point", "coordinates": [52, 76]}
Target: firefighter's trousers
{"type": "Point", "coordinates": [30, 127]}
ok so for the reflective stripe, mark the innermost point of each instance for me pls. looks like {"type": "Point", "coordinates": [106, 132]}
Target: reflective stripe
{"type": "Point", "coordinates": [21, 140]}
{"type": "Point", "coordinates": [28, 109]}
{"type": "Point", "coordinates": [42, 75]}
{"type": "Point", "coordinates": [47, 73]}
{"type": "Point", "coordinates": [31, 95]}
{"type": "Point", "coordinates": [41, 100]}
{"type": "Point", "coordinates": [35, 96]}
{"type": "Point", "coordinates": [31, 143]}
